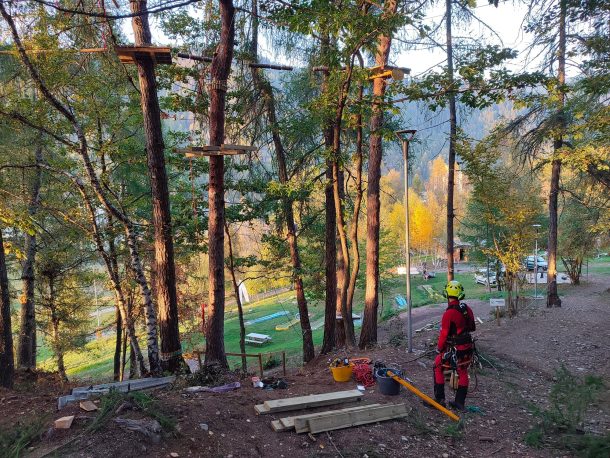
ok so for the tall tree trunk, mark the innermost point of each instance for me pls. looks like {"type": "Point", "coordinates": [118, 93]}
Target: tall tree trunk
{"type": "Point", "coordinates": [330, 235]}
{"type": "Point", "coordinates": [267, 92]}
{"type": "Point", "coordinates": [552, 297]}
{"type": "Point", "coordinates": [118, 344]}
{"type": "Point", "coordinates": [353, 233]}
{"type": "Point", "coordinates": [7, 361]}
{"type": "Point", "coordinates": [368, 335]}
{"type": "Point", "coordinates": [55, 334]}
{"type": "Point", "coordinates": [330, 259]}
{"type": "Point", "coordinates": [343, 261]}
{"type": "Point", "coordinates": [220, 69]}
{"type": "Point", "coordinates": [167, 302]}
{"type": "Point", "coordinates": [240, 311]}
{"type": "Point", "coordinates": [26, 358]}
{"type": "Point", "coordinates": [452, 141]}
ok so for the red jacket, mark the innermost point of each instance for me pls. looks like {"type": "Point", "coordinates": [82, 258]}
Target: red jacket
{"type": "Point", "coordinates": [454, 324]}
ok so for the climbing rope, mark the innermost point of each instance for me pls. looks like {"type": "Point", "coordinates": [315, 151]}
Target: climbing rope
{"type": "Point", "coordinates": [363, 374]}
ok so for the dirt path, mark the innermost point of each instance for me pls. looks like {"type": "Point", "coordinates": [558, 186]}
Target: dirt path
{"type": "Point", "coordinates": [526, 350]}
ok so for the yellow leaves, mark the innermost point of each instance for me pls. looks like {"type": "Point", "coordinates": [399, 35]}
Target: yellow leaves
{"type": "Point", "coordinates": [422, 222]}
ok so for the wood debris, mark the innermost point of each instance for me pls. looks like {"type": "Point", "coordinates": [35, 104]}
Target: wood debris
{"type": "Point", "coordinates": [88, 406]}
{"type": "Point", "coordinates": [64, 422]}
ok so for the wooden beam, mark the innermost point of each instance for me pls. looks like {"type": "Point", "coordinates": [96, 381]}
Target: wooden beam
{"type": "Point", "coordinates": [250, 64]}
{"type": "Point", "coordinates": [223, 150]}
{"type": "Point", "coordinates": [130, 54]}
{"type": "Point", "coordinates": [299, 422]}
{"type": "Point", "coordinates": [358, 417]}
{"type": "Point", "coordinates": [305, 402]}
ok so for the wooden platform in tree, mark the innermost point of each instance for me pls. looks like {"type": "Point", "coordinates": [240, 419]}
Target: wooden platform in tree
{"type": "Point", "coordinates": [222, 150]}
{"type": "Point", "coordinates": [130, 54]}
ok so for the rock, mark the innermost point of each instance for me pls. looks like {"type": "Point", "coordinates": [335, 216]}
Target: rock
{"type": "Point", "coordinates": [404, 438]}
{"type": "Point", "coordinates": [174, 455]}
{"type": "Point", "coordinates": [203, 426]}
{"type": "Point", "coordinates": [445, 455]}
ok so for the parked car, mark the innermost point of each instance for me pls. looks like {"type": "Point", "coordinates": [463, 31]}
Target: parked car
{"type": "Point", "coordinates": [530, 263]}
{"type": "Point", "coordinates": [480, 279]}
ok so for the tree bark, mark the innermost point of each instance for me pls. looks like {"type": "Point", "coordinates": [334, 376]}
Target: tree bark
{"type": "Point", "coordinates": [368, 335]}
{"type": "Point", "coordinates": [118, 344]}
{"type": "Point", "coordinates": [343, 261]}
{"type": "Point", "coordinates": [452, 141]}
{"type": "Point", "coordinates": [330, 260]}
{"type": "Point", "coordinates": [55, 334]}
{"type": "Point", "coordinates": [353, 234]}
{"type": "Point", "coordinates": [167, 302]}
{"type": "Point", "coordinates": [26, 358]}
{"type": "Point", "coordinates": [7, 362]}
{"type": "Point", "coordinates": [330, 235]}
{"type": "Point", "coordinates": [240, 311]}
{"type": "Point", "coordinates": [267, 92]}
{"type": "Point", "coordinates": [552, 296]}
{"type": "Point", "coordinates": [220, 69]}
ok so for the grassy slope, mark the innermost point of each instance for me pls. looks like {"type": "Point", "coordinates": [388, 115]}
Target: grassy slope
{"type": "Point", "coordinates": [94, 361]}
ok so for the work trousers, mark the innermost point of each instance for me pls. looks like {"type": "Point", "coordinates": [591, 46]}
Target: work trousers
{"type": "Point", "coordinates": [462, 370]}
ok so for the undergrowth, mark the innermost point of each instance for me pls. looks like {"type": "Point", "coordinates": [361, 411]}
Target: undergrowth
{"type": "Point", "coordinates": [562, 424]}
{"type": "Point", "coordinates": [15, 440]}
{"type": "Point", "coordinates": [272, 362]}
{"type": "Point", "coordinates": [136, 400]}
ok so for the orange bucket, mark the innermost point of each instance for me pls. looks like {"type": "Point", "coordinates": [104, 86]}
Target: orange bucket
{"type": "Point", "coordinates": [342, 373]}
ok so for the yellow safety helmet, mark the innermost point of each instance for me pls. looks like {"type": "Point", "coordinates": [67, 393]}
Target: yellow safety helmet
{"type": "Point", "coordinates": [454, 289]}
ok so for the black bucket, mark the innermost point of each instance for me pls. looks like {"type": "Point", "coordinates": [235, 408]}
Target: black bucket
{"type": "Point", "coordinates": [388, 385]}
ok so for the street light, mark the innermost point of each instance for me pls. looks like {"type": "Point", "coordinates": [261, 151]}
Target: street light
{"type": "Point", "coordinates": [537, 226]}
{"type": "Point", "coordinates": [405, 136]}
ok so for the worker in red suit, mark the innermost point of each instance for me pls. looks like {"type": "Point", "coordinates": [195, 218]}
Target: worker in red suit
{"type": "Point", "coordinates": [455, 344]}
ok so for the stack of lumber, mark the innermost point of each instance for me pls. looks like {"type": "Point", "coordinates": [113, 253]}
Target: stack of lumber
{"type": "Point", "coordinates": [86, 392]}
{"type": "Point", "coordinates": [332, 419]}
{"type": "Point", "coordinates": [306, 402]}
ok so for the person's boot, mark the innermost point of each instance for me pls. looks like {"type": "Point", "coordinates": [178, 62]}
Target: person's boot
{"type": "Point", "coordinates": [439, 395]}
{"type": "Point", "coordinates": [460, 398]}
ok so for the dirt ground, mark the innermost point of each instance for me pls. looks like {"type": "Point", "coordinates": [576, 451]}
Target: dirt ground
{"type": "Point", "coordinates": [526, 351]}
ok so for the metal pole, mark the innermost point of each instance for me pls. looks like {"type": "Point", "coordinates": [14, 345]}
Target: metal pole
{"type": "Point", "coordinates": [405, 152]}
{"type": "Point", "coordinates": [536, 226]}
{"type": "Point", "coordinates": [536, 268]}
{"type": "Point", "coordinates": [96, 303]}
{"type": "Point", "coordinates": [486, 242]}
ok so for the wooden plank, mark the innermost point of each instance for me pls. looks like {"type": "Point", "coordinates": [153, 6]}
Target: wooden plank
{"type": "Point", "coordinates": [299, 422]}
{"type": "Point", "coordinates": [261, 409]}
{"type": "Point", "coordinates": [314, 400]}
{"type": "Point", "coordinates": [277, 426]}
{"type": "Point", "coordinates": [128, 385]}
{"type": "Point", "coordinates": [358, 417]}
{"type": "Point", "coordinates": [64, 422]}
{"type": "Point", "coordinates": [228, 146]}
{"type": "Point", "coordinates": [88, 406]}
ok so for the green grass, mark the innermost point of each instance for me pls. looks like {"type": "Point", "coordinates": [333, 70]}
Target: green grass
{"type": "Point", "coordinates": [95, 360]}
{"type": "Point", "coordinates": [598, 266]}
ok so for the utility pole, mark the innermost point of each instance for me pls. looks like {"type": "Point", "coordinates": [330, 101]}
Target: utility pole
{"type": "Point", "coordinates": [405, 136]}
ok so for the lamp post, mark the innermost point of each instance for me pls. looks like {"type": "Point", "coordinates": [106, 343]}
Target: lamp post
{"type": "Point", "coordinates": [405, 136]}
{"type": "Point", "coordinates": [537, 226]}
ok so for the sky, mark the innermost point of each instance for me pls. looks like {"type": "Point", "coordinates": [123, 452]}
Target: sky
{"type": "Point", "coordinates": [506, 20]}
